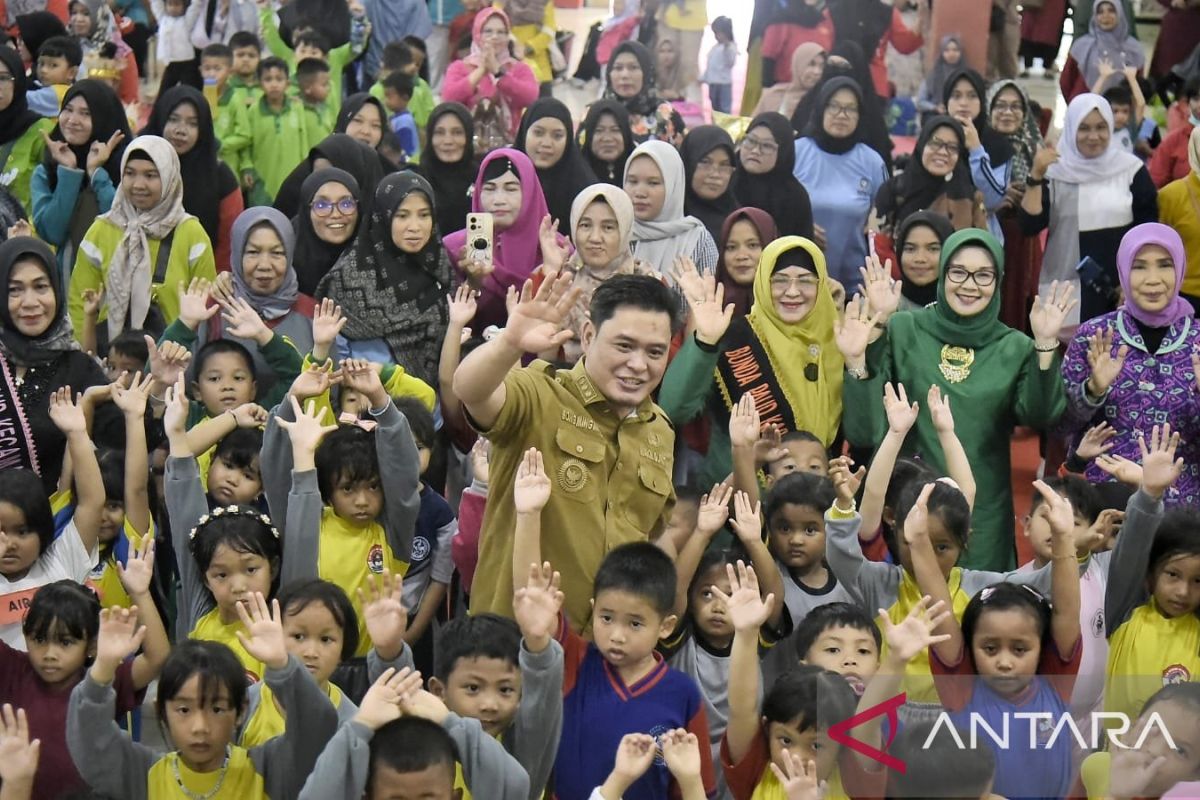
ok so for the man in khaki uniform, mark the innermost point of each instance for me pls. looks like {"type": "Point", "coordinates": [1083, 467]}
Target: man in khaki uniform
{"type": "Point", "coordinates": [607, 447]}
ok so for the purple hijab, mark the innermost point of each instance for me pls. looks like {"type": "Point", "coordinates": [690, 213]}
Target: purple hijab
{"type": "Point", "coordinates": [1167, 238]}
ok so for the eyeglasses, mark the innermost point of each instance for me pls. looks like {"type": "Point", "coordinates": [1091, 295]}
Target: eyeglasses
{"type": "Point", "coordinates": [1008, 108]}
{"type": "Point", "coordinates": [766, 148]}
{"type": "Point", "coordinates": [839, 110]}
{"type": "Point", "coordinates": [805, 283]}
{"type": "Point", "coordinates": [939, 146]}
{"type": "Point", "coordinates": [711, 166]}
{"type": "Point", "coordinates": [346, 206]}
{"type": "Point", "coordinates": [982, 278]}
{"type": "Point", "coordinates": [7, 79]}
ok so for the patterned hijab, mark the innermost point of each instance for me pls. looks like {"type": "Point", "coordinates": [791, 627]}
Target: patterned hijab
{"type": "Point", "coordinates": [130, 271]}
{"type": "Point", "coordinates": [280, 302]}
{"type": "Point", "coordinates": [392, 295]}
{"type": "Point", "coordinates": [1027, 138]}
{"type": "Point", "coordinates": [646, 100]}
{"type": "Point", "coordinates": [21, 350]}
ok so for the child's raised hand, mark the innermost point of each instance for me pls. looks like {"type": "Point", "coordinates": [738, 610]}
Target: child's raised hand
{"type": "Point", "coordinates": [194, 300]}
{"type": "Point", "coordinates": [120, 637]}
{"type": "Point", "coordinates": [1061, 518]}
{"type": "Point", "coordinates": [93, 299]}
{"type": "Point", "coordinates": [462, 306]}
{"type": "Point", "coordinates": [308, 429]}
{"type": "Point", "coordinates": [800, 778]}
{"type": "Point", "coordinates": [748, 610]}
{"type": "Point", "coordinates": [363, 377]}
{"type": "Point", "coordinates": [714, 510]}
{"type": "Point", "coordinates": [384, 614]}
{"type": "Point", "coordinates": [1121, 468]}
{"type": "Point", "coordinates": [381, 704]}
{"type": "Point", "coordinates": [169, 362]}
{"type": "Point", "coordinates": [175, 413]}
{"type": "Point", "coordinates": [531, 488]}
{"type": "Point", "coordinates": [263, 638]}
{"type": "Point", "coordinates": [312, 381]}
{"type": "Point", "coordinates": [769, 447]}
{"type": "Point", "coordinates": [744, 423]}
{"type": "Point", "coordinates": [132, 400]}
{"type": "Point", "coordinates": [328, 322]}
{"type": "Point", "coordinates": [425, 705]}
{"type": "Point", "coordinates": [138, 570]}
{"type": "Point", "coordinates": [1096, 442]}
{"type": "Point", "coordinates": [250, 415]}
{"type": "Point", "coordinates": [1102, 530]}
{"type": "Point", "coordinates": [537, 606]}
{"type": "Point", "coordinates": [1160, 468]}
{"type": "Point", "coordinates": [939, 410]}
{"type": "Point", "coordinates": [747, 519]}
{"type": "Point", "coordinates": [66, 412]}
{"type": "Point", "coordinates": [635, 754]}
{"type": "Point", "coordinates": [915, 633]}
{"type": "Point", "coordinates": [18, 755]}
{"type": "Point", "coordinates": [681, 751]}
{"type": "Point", "coordinates": [479, 459]}
{"type": "Point", "coordinates": [901, 415]}
{"type": "Point", "coordinates": [845, 481]}
{"type": "Point", "coordinates": [916, 524]}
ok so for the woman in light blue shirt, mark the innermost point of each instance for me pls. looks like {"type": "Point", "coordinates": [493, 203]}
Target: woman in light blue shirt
{"type": "Point", "coordinates": [841, 175]}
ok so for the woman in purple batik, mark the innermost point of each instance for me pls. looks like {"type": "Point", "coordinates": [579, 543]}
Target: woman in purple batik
{"type": "Point", "coordinates": [1136, 367]}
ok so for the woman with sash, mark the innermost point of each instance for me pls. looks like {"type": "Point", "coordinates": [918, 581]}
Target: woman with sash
{"type": "Point", "coordinates": [783, 352]}
{"type": "Point", "coordinates": [997, 375]}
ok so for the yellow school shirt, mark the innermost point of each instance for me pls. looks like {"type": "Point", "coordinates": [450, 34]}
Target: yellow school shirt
{"type": "Point", "coordinates": [1149, 651]}
{"type": "Point", "coordinates": [209, 628]}
{"type": "Point", "coordinates": [769, 787]}
{"type": "Point", "coordinates": [348, 553]}
{"type": "Point", "coordinates": [1093, 773]}
{"type": "Point", "coordinates": [918, 678]}
{"type": "Point", "coordinates": [239, 781]}
{"type": "Point", "coordinates": [268, 723]}
{"type": "Point", "coordinates": [104, 578]}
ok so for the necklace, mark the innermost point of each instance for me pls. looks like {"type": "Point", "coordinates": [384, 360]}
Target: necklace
{"type": "Point", "coordinates": [211, 793]}
{"type": "Point", "coordinates": [956, 363]}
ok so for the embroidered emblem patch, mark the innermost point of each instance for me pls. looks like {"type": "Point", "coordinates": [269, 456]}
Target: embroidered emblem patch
{"type": "Point", "coordinates": [572, 475]}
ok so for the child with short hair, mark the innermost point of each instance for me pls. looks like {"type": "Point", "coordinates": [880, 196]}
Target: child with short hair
{"type": "Point", "coordinates": [176, 18]}
{"type": "Point", "coordinates": [201, 695]}
{"type": "Point", "coordinates": [1131, 129]}
{"type": "Point", "coordinates": [269, 138]}
{"type": "Point", "coordinates": [313, 84]}
{"type": "Point", "coordinates": [247, 52]}
{"type": "Point", "coordinates": [216, 65]}
{"type": "Point", "coordinates": [754, 447]}
{"type": "Point", "coordinates": [718, 73]}
{"type": "Point", "coordinates": [58, 61]}
{"type": "Point", "coordinates": [397, 92]}
{"type": "Point", "coordinates": [128, 353]}
{"type": "Point", "coordinates": [405, 742]}
{"type": "Point", "coordinates": [1024, 650]}
{"type": "Point", "coordinates": [398, 57]}
{"type": "Point", "coordinates": [841, 638]}
{"type": "Point", "coordinates": [942, 763]}
{"type": "Point", "coordinates": [309, 42]}
{"type": "Point", "coordinates": [61, 632]}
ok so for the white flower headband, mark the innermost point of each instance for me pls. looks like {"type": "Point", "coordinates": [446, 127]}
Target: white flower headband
{"type": "Point", "coordinates": [234, 511]}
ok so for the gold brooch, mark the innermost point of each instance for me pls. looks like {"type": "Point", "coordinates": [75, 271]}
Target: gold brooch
{"type": "Point", "coordinates": [956, 363]}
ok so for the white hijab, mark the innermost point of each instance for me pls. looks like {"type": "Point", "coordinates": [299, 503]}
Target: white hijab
{"type": "Point", "coordinates": [672, 233]}
{"type": "Point", "coordinates": [1074, 167]}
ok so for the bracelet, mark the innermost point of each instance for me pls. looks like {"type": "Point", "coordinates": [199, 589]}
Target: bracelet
{"type": "Point", "coordinates": [1035, 181]}
{"type": "Point", "coordinates": [1048, 349]}
{"type": "Point", "coordinates": [858, 373]}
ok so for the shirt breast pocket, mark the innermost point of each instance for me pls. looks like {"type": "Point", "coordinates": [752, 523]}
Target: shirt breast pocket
{"type": "Point", "coordinates": [645, 505]}
{"type": "Point", "coordinates": [578, 466]}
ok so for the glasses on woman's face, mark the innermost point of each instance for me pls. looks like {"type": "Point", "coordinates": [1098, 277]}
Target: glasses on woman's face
{"type": "Point", "coordinates": [839, 110]}
{"type": "Point", "coordinates": [708, 165]}
{"type": "Point", "coordinates": [1008, 108]}
{"type": "Point", "coordinates": [759, 145]}
{"type": "Point", "coordinates": [982, 278]}
{"type": "Point", "coordinates": [944, 147]}
{"type": "Point", "coordinates": [804, 283]}
{"type": "Point", "coordinates": [346, 206]}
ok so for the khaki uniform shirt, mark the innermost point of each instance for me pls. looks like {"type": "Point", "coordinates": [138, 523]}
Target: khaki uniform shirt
{"type": "Point", "coordinates": [610, 482]}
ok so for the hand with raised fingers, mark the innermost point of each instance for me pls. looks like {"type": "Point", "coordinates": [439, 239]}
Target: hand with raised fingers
{"type": "Point", "coordinates": [309, 427]}
{"type": "Point", "coordinates": [747, 609]}
{"type": "Point", "coordinates": [705, 297]}
{"type": "Point", "coordinates": [537, 606]}
{"type": "Point", "coordinates": [769, 447]}
{"type": "Point", "coordinates": [242, 321]}
{"type": "Point", "coordinates": [744, 423]}
{"type": "Point", "coordinates": [1160, 467]}
{"type": "Point", "coordinates": [480, 453]}
{"type": "Point", "coordinates": [137, 573]}
{"type": "Point", "coordinates": [853, 331]}
{"type": "Point", "coordinates": [1105, 364]}
{"type": "Point", "coordinates": [635, 754]}
{"type": "Point", "coordinates": [535, 322]}
{"type": "Point", "coordinates": [93, 299]}
{"type": "Point", "coordinates": [60, 152]}
{"type": "Point", "coordinates": [747, 519]}
{"type": "Point", "coordinates": [1097, 441]}
{"type": "Point", "coordinates": [531, 487]}
{"type": "Point", "coordinates": [799, 780]}
{"type": "Point", "coordinates": [714, 510]}
{"type": "Point", "coordinates": [881, 289]}
{"type": "Point", "coordinates": [915, 633]}
{"type": "Point", "coordinates": [175, 413]}
{"type": "Point", "coordinates": [846, 481]}
{"type": "Point", "coordinates": [554, 255]}
{"type": "Point", "coordinates": [916, 524]}
{"type": "Point", "coordinates": [462, 305]}
{"type": "Point", "coordinates": [1049, 314]}
{"type": "Point", "coordinates": [1126, 471]}
{"type": "Point", "coordinates": [263, 637]}
{"type": "Point", "coordinates": [681, 751]}
{"type": "Point", "coordinates": [194, 306]}
{"type": "Point", "coordinates": [18, 755]}
{"type": "Point", "coordinates": [132, 400]}
{"type": "Point", "coordinates": [384, 614]}
{"type": "Point", "coordinates": [381, 704]}
{"type": "Point", "coordinates": [328, 321]}
{"type": "Point", "coordinates": [314, 380]}
{"type": "Point", "coordinates": [901, 414]}
{"type": "Point", "coordinates": [100, 152]}
{"type": "Point", "coordinates": [363, 377]}
{"type": "Point", "coordinates": [425, 705]}
{"type": "Point", "coordinates": [120, 637]}
{"type": "Point", "coordinates": [1061, 518]}
{"type": "Point", "coordinates": [167, 363]}
{"type": "Point", "coordinates": [66, 412]}
{"type": "Point", "coordinates": [939, 410]}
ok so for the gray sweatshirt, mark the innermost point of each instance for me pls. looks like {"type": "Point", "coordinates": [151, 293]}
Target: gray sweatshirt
{"type": "Point", "coordinates": [342, 770]}
{"type": "Point", "coordinates": [1130, 561]}
{"type": "Point", "coordinates": [399, 476]}
{"type": "Point", "coordinates": [875, 585]}
{"type": "Point", "coordinates": [186, 504]}
{"type": "Point", "coordinates": [113, 764]}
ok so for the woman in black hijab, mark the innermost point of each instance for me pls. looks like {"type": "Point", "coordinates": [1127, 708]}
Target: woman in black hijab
{"type": "Point", "coordinates": [211, 193]}
{"type": "Point", "coordinates": [708, 163]}
{"type": "Point", "coordinates": [862, 23]}
{"type": "Point", "coordinates": [607, 140]}
{"type": "Point", "coordinates": [20, 140]}
{"type": "Point", "coordinates": [846, 60]}
{"type": "Point", "coordinates": [364, 118]}
{"type": "Point", "coordinates": [35, 28]}
{"type": "Point", "coordinates": [547, 136]}
{"type": "Point", "coordinates": [335, 150]}
{"type": "Point", "coordinates": [764, 179]}
{"type": "Point", "coordinates": [331, 212]}
{"type": "Point", "coordinates": [448, 162]}
{"type": "Point", "coordinates": [918, 246]}
{"type": "Point", "coordinates": [630, 80]}
{"type": "Point", "coordinates": [965, 98]}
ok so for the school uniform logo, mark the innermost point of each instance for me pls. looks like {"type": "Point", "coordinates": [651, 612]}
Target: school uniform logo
{"type": "Point", "coordinates": [1097, 625]}
{"type": "Point", "coordinates": [420, 549]}
{"type": "Point", "coordinates": [572, 475]}
{"type": "Point", "coordinates": [1176, 673]}
{"type": "Point", "coordinates": [375, 559]}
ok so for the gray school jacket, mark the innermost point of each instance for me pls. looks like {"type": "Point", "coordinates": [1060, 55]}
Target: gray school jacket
{"type": "Point", "coordinates": [399, 477]}
{"type": "Point", "coordinates": [342, 770]}
{"type": "Point", "coordinates": [113, 764]}
{"type": "Point", "coordinates": [1130, 560]}
{"type": "Point", "coordinates": [533, 737]}
{"type": "Point", "coordinates": [186, 504]}
{"type": "Point", "coordinates": [875, 585]}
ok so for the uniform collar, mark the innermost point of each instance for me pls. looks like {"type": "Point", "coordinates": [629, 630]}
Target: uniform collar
{"type": "Point", "coordinates": [590, 394]}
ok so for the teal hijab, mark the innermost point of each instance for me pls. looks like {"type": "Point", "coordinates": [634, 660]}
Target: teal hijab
{"type": "Point", "coordinates": [941, 322]}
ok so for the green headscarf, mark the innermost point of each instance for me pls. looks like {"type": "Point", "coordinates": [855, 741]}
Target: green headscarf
{"type": "Point", "coordinates": [941, 322]}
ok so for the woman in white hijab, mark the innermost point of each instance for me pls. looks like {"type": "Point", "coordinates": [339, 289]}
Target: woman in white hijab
{"type": "Point", "coordinates": [122, 254]}
{"type": "Point", "coordinates": [654, 181]}
{"type": "Point", "coordinates": [1088, 192]}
